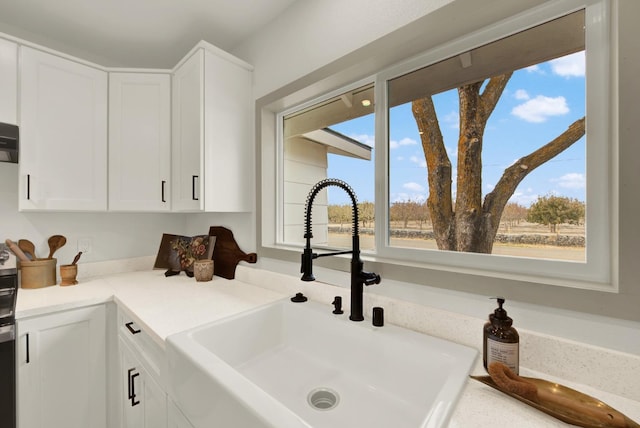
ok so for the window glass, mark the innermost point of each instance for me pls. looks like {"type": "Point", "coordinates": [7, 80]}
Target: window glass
{"type": "Point", "coordinates": [332, 138]}
{"type": "Point", "coordinates": [487, 149]}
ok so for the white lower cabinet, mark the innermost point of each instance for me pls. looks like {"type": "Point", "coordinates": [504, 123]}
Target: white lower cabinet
{"type": "Point", "coordinates": [61, 369]}
{"type": "Point", "coordinates": [176, 418]}
{"type": "Point", "coordinates": [143, 400]}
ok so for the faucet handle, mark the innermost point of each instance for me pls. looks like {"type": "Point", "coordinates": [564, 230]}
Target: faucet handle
{"type": "Point", "coordinates": [370, 278]}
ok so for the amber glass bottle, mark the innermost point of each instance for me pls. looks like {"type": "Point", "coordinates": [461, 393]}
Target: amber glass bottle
{"type": "Point", "coordinates": [500, 340]}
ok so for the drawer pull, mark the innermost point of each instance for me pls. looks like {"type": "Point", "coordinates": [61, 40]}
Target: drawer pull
{"type": "Point", "coordinates": [132, 386]}
{"type": "Point", "coordinates": [131, 329]}
{"type": "Point", "coordinates": [28, 359]}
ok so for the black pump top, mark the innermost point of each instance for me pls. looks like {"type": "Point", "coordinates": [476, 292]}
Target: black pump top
{"type": "Point", "coordinates": [499, 317]}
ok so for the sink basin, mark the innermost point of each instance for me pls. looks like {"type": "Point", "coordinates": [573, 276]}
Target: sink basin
{"type": "Point", "coordinates": [298, 365]}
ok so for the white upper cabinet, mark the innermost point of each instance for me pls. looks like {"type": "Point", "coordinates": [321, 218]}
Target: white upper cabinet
{"type": "Point", "coordinates": [8, 81]}
{"type": "Point", "coordinates": [63, 134]}
{"type": "Point", "coordinates": [139, 141]}
{"type": "Point", "coordinates": [188, 134]}
{"type": "Point", "coordinates": [212, 154]}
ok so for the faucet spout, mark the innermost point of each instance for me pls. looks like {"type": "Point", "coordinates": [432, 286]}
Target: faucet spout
{"type": "Point", "coordinates": [359, 278]}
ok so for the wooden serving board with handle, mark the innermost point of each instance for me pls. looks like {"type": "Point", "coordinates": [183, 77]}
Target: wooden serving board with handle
{"type": "Point", "coordinates": [227, 254]}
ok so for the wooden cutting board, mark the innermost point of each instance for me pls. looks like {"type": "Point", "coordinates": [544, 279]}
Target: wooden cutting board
{"type": "Point", "coordinates": [227, 254]}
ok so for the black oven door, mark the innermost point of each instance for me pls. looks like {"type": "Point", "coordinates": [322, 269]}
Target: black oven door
{"type": "Point", "coordinates": [8, 376]}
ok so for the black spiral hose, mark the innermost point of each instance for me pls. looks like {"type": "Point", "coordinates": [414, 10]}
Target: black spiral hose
{"type": "Point", "coordinates": [312, 195]}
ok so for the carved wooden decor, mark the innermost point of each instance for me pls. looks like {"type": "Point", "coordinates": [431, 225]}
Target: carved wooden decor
{"type": "Point", "coordinates": [227, 254]}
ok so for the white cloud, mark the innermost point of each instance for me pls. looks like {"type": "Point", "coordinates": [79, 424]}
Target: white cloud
{"type": "Point", "coordinates": [569, 66]}
{"type": "Point", "coordinates": [404, 142]}
{"type": "Point", "coordinates": [413, 186]}
{"type": "Point", "coordinates": [369, 140]}
{"type": "Point", "coordinates": [400, 158]}
{"type": "Point", "coordinates": [540, 108]}
{"type": "Point", "coordinates": [421, 162]}
{"type": "Point", "coordinates": [453, 119]}
{"type": "Point", "coordinates": [534, 69]}
{"type": "Point", "coordinates": [524, 198]}
{"type": "Point", "coordinates": [572, 180]}
{"type": "Point", "coordinates": [521, 94]}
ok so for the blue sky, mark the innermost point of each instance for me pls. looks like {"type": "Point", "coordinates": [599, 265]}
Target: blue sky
{"type": "Point", "coordinates": [538, 104]}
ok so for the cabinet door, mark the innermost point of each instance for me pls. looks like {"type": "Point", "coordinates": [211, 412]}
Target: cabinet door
{"type": "Point", "coordinates": [228, 148]}
{"type": "Point", "coordinates": [62, 370]}
{"type": "Point", "coordinates": [144, 401]}
{"type": "Point", "coordinates": [8, 81]}
{"type": "Point", "coordinates": [63, 134]}
{"type": "Point", "coordinates": [139, 141]}
{"type": "Point", "coordinates": [188, 134]}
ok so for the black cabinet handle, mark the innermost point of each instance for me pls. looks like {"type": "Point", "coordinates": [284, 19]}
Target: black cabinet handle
{"type": "Point", "coordinates": [131, 386]}
{"type": "Point", "coordinates": [28, 358]}
{"type": "Point", "coordinates": [163, 183]}
{"type": "Point", "coordinates": [28, 186]}
{"type": "Point", "coordinates": [193, 187]}
{"type": "Point", "coordinates": [129, 326]}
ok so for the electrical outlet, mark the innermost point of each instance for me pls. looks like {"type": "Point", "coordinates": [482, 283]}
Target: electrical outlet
{"type": "Point", "coordinates": [85, 244]}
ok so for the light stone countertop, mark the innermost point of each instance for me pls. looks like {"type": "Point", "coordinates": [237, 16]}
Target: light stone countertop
{"type": "Point", "coordinates": [164, 306]}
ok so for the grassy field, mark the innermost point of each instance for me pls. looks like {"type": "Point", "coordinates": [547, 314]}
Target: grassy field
{"type": "Point", "coordinates": [549, 252]}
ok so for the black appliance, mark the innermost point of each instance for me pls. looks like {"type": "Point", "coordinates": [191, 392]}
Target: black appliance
{"type": "Point", "coordinates": [9, 141]}
{"type": "Point", "coordinates": [8, 295]}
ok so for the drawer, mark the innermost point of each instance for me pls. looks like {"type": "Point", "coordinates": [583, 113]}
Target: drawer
{"type": "Point", "coordinates": [150, 354]}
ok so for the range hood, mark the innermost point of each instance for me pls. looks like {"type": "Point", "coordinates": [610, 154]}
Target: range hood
{"type": "Point", "coordinates": [9, 140]}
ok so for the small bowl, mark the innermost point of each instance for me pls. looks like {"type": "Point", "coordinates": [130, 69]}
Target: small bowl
{"type": "Point", "coordinates": [68, 274]}
{"type": "Point", "coordinates": [203, 270]}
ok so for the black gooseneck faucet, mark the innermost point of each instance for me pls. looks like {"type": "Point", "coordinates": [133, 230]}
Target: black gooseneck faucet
{"type": "Point", "coordinates": [359, 278]}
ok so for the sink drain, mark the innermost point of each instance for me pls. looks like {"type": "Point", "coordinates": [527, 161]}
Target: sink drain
{"type": "Point", "coordinates": [323, 399]}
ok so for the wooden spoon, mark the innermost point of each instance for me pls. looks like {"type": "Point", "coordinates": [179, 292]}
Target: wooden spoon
{"type": "Point", "coordinates": [76, 258]}
{"type": "Point", "coordinates": [28, 248]}
{"type": "Point", "coordinates": [55, 242]}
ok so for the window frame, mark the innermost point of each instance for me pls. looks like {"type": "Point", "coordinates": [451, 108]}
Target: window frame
{"type": "Point", "coordinates": [599, 271]}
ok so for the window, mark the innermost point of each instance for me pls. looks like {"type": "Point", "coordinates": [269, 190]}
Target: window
{"type": "Point", "coordinates": [490, 156]}
{"type": "Point", "coordinates": [487, 148]}
{"type": "Point", "coordinates": [332, 138]}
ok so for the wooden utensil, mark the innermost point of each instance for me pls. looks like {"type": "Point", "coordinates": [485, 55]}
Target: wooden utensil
{"type": "Point", "coordinates": [55, 242]}
{"type": "Point", "coordinates": [28, 248]}
{"type": "Point", "coordinates": [76, 258]}
{"type": "Point", "coordinates": [16, 250]}
{"type": "Point", "coordinates": [556, 400]}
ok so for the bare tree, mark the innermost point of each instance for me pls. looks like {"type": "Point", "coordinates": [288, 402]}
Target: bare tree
{"type": "Point", "coordinates": [473, 224]}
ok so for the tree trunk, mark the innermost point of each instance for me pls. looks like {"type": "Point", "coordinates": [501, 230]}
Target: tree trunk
{"type": "Point", "coordinates": [440, 203]}
{"type": "Point", "coordinates": [474, 224]}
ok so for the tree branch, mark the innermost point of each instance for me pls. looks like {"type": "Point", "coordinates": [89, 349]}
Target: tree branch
{"type": "Point", "coordinates": [495, 201]}
{"type": "Point", "coordinates": [492, 93]}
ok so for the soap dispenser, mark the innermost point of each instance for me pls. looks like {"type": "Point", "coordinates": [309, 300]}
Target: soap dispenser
{"type": "Point", "coordinates": [501, 340]}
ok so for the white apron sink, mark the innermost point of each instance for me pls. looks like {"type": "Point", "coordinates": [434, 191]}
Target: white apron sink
{"type": "Point", "coordinates": [298, 365]}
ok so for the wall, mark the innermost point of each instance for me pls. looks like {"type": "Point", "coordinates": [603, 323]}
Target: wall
{"type": "Point", "coordinates": [292, 68]}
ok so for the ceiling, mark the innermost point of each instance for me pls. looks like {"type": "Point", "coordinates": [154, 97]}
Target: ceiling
{"type": "Point", "coordinates": [136, 33]}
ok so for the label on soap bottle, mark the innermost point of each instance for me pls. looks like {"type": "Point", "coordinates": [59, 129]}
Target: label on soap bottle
{"type": "Point", "coordinates": [505, 353]}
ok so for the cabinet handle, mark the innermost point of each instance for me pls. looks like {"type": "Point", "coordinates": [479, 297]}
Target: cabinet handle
{"type": "Point", "coordinates": [28, 186]}
{"type": "Point", "coordinates": [163, 183]}
{"type": "Point", "coordinates": [130, 328]}
{"type": "Point", "coordinates": [193, 187]}
{"type": "Point", "coordinates": [28, 358]}
{"type": "Point", "coordinates": [131, 386]}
